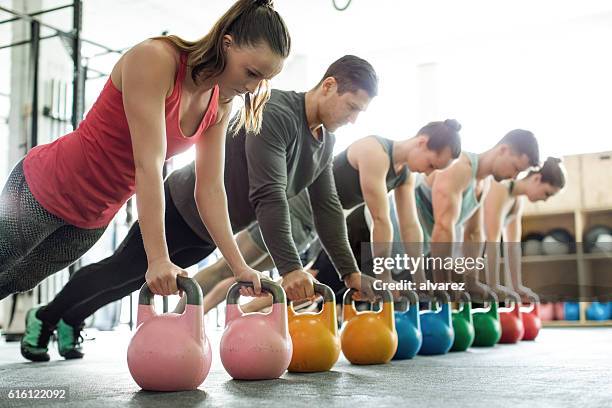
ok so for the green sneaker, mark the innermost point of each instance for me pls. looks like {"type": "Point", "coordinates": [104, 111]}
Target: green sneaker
{"type": "Point", "coordinates": [35, 340]}
{"type": "Point", "coordinates": [69, 340]}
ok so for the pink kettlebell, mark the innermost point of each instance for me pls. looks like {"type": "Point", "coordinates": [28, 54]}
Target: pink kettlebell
{"type": "Point", "coordinates": [256, 346]}
{"type": "Point", "coordinates": [170, 352]}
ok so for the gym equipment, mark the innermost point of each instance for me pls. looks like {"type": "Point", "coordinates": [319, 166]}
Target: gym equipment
{"type": "Point", "coordinates": [368, 337]}
{"type": "Point", "coordinates": [487, 329]}
{"type": "Point", "coordinates": [532, 244]}
{"type": "Point", "coordinates": [437, 329]}
{"type": "Point", "coordinates": [571, 310]}
{"type": "Point", "coordinates": [597, 311]}
{"type": "Point", "coordinates": [316, 345]}
{"type": "Point", "coordinates": [558, 241]}
{"type": "Point", "coordinates": [559, 308]}
{"type": "Point", "coordinates": [547, 312]}
{"type": "Point", "coordinates": [463, 325]}
{"type": "Point", "coordinates": [170, 352]}
{"type": "Point", "coordinates": [598, 239]}
{"type": "Point", "coordinates": [531, 320]}
{"type": "Point", "coordinates": [256, 346]}
{"type": "Point", "coordinates": [511, 322]}
{"type": "Point", "coordinates": [408, 327]}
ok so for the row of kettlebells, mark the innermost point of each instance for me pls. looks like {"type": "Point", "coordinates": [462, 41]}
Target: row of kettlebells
{"type": "Point", "coordinates": [171, 352]}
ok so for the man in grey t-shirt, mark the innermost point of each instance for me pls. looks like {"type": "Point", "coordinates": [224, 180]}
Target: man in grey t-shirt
{"type": "Point", "coordinates": [293, 152]}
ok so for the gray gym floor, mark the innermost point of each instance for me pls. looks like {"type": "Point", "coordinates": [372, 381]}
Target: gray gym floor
{"type": "Point", "coordinates": [564, 367]}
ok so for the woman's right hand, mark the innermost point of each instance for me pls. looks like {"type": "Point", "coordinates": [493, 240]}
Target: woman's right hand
{"type": "Point", "coordinates": [161, 277]}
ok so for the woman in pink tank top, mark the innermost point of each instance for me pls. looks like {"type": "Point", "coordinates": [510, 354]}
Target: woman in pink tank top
{"type": "Point", "coordinates": [163, 96]}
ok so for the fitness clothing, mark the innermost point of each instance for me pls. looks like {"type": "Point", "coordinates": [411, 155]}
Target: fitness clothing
{"type": "Point", "coordinates": [33, 242]}
{"type": "Point", "coordinates": [86, 176]}
{"type": "Point", "coordinates": [302, 227]}
{"type": "Point", "coordinates": [351, 195]}
{"type": "Point", "coordinates": [262, 171]}
{"type": "Point", "coordinates": [347, 177]}
{"type": "Point", "coordinates": [423, 196]}
{"type": "Point", "coordinates": [115, 277]}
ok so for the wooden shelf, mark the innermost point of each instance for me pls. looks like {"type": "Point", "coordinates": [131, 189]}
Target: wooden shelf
{"type": "Point", "coordinates": [597, 256]}
{"type": "Point", "coordinates": [549, 214]}
{"type": "Point", "coordinates": [577, 323]}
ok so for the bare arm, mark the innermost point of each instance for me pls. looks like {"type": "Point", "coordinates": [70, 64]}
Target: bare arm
{"type": "Point", "coordinates": [495, 208]}
{"type": "Point", "coordinates": [447, 193]}
{"type": "Point", "coordinates": [147, 75]}
{"type": "Point", "coordinates": [372, 175]}
{"type": "Point", "coordinates": [512, 260]}
{"type": "Point", "coordinates": [408, 219]}
{"type": "Point", "coordinates": [211, 199]}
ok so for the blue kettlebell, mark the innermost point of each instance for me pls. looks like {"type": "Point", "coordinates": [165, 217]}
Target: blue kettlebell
{"type": "Point", "coordinates": [408, 327]}
{"type": "Point", "coordinates": [597, 311]}
{"type": "Point", "coordinates": [571, 310]}
{"type": "Point", "coordinates": [437, 328]}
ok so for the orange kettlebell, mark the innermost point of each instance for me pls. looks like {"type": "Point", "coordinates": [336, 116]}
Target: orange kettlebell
{"type": "Point", "coordinates": [316, 345]}
{"type": "Point", "coordinates": [368, 337]}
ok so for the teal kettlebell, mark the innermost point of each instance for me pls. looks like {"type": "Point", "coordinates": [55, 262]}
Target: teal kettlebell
{"type": "Point", "coordinates": [437, 328]}
{"type": "Point", "coordinates": [487, 329]}
{"type": "Point", "coordinates": [463, 325]}
{"type": "Point", "coordinates": [408, 327]}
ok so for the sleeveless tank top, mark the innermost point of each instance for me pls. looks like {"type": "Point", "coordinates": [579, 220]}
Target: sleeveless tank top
{"type": "Point", "coordinates": [86, 176]}
{"type": "Point", "coordinates": [347, 177]}
{"type": "Point", "coordinates": [423, 196]}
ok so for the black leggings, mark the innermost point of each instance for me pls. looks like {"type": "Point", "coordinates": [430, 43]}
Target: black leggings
{"type": "Point", "coordinates": [113, 278]}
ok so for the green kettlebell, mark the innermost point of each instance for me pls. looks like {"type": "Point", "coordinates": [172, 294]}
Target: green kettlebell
{"type": "Point", "coordinates": [486, 325]}
{"type": "Point", "coordinates": [463, 325]}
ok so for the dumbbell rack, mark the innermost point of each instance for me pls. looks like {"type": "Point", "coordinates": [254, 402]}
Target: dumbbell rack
{"type": "Point", "coordinates": [586, 201]}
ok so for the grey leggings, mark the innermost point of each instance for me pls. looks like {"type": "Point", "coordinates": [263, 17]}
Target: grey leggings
{"type": "Point", "coordinates": [33, 242]}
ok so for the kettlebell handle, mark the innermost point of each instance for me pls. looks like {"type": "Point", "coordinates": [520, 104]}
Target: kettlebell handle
{"type": "Point", "coordinates": [188, 285]}
{"type": "Point", "coordinates": [278, 294]}
{"type": "Point", "coordinates": [323, 290]}
{"type": "Point", "coordinates": [409, 298]}
{"type": "Point", "coordinates": [348, 296]}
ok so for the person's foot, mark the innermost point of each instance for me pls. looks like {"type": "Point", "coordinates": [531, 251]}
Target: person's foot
{"type": "Point", "coordinates": [35, 340]}
{"type": "Point", "coordinates": [69, 340]}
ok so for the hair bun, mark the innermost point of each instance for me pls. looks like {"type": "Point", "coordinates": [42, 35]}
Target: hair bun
{"type": "Point", "coordinates": [553, 160]}
{"type": "Point", "coordinates": [453, 124]}
{"type": "Point", "coordinates": [264, 3]}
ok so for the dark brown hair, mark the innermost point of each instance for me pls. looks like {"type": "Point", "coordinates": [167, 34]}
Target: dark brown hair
{"type": "Point", "coordinates": [352, 74]}
{"type": "Point", "coordinates": [552, 171]}
{"type": "Point", "coordinates": [250, 23]}
{"type": "Point", "coordinates": [523, 142]}
{"type": "Point", "coordinates": [442, 135]}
